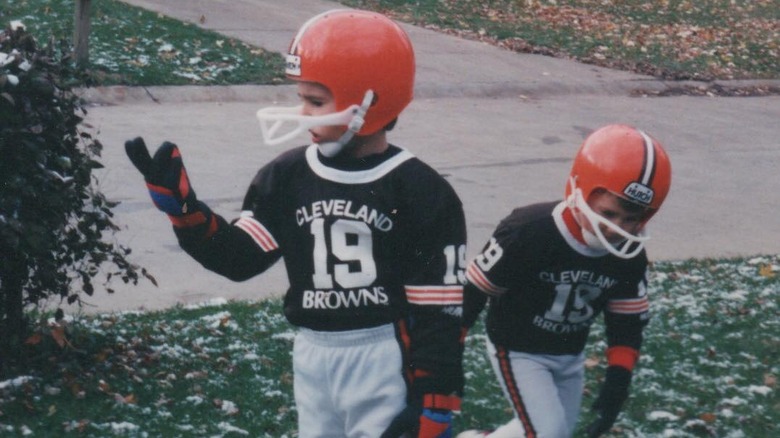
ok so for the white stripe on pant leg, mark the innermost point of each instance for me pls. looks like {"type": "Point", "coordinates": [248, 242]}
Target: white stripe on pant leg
{"type": "Point", "coordinates": [547, 412]}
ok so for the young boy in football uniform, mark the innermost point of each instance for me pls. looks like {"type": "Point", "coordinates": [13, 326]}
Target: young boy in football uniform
{"type": "Point", "coordinates": [372, 238]}
{"type": "Point", "coordinates": [550, 269]}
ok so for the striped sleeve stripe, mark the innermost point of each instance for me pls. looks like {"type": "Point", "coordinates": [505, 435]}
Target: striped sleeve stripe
{"type": "Point", "coordinates": [638, 305]}
{"type": "Point", "coordinates": [476, 277]}
{"type": "Point", "coordinates": [435, 295]}
{"type": "Point", "coordinates": [258, 232]}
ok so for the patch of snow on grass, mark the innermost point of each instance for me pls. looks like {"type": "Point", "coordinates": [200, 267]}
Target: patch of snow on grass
{"type": "Point", "coordinates": [662, 415]}
{"type": "Point", "coordinates": [15, 382]}
{"type": "Point", "coordinates": [229, 428]}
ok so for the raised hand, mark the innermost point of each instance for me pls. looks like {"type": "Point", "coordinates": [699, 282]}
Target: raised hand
{"type": "Point", "coordinates": [168, 183]}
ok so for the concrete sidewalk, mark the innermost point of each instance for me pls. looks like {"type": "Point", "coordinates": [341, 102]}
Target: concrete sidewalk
{"type": "Point", "coordinates": [501, 126]}
{"type": "Point", "coordinates": [446, 66]}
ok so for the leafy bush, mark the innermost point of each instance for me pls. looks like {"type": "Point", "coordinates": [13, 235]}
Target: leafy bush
{"type": "Point", "coordinates": [52, 217]}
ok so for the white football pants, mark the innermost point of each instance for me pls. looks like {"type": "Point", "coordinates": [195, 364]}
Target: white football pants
{"type": "Point", "coordinates": [545, 392]}
{"type": "Point", "coordinates": [347, 384]}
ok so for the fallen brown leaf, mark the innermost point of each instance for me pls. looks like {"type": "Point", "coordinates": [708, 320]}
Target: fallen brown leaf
{"type": "Point", "coordinates": [708, 417]}
{"type": "Point", "coordinates": [34, 339]}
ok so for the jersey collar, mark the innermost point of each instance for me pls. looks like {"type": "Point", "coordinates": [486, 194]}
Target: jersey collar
{"type": "Point", "coordinates": [354, 176]}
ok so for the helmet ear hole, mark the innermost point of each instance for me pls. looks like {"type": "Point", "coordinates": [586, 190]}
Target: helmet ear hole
{"type": "Point", "coordinates": [595, 192]}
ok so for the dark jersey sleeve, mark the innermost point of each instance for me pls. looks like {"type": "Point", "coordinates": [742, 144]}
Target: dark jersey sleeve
{"type": "Point", "coordinates": [495, 270]}
{"type": "Point", "coordinates": [241, 249]}
{"type": "Point", "coordinates": [229, 252]}
{"type": "Point", "coordinates": [434, 286]}
{"type": "Point", "coordinates": [474, 301]}
{"type": "Point", "coordinates": [490, 273]}
{"type": "Point", "coordinates": [625, 317]}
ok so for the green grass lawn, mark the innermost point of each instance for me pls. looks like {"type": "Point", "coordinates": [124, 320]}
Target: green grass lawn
{"type": "Point", "coordinates": [132, 46]}
{"type": "Point", "coordinates": [709, 367]}
{"type": "Point", "coordinates": [681, 39]}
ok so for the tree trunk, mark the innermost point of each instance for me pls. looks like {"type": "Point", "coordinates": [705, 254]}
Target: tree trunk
{"type": "Point", "coordinates": [81, 33]}
{"type": "Point", "coordinates": [13, 275]}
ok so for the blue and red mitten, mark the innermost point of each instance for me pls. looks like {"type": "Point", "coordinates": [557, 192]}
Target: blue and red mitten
{"type": "Point", "coordinates": [168, 184]}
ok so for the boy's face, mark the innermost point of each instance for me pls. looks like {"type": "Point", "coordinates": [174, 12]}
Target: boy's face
{"type": "Point", "coordinates": [613, 208]}
{"type": "Point", "coordinates": [317, 101]}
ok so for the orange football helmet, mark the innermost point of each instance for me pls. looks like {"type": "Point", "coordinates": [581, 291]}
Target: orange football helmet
{"type": "Point", "coordinates": [365, 60]}
{"type": "Point", "coordinates": [628, 163]}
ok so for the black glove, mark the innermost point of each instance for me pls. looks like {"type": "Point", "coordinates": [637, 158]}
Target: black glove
{"type": "Point", "coordinates": [613, 394]}
{"type": "Point", "coordinates": [430, 417]}
{"type": "Point", "coordinates": [168, 184]}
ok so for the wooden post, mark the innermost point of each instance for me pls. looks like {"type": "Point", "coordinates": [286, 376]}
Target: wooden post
{"type": "Point", "coordinates": [81, 33]}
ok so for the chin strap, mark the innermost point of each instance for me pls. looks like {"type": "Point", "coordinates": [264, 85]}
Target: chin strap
{"type": "Point", "coordinates": [627, 248]}
{"type": "Point", "coordinates": [331, 149]}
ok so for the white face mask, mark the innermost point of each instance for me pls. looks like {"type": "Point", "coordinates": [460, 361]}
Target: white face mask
{"type": "Point", "coordinates": [272, 119]}
{"type": "Point", "coordinates": [629, 246]}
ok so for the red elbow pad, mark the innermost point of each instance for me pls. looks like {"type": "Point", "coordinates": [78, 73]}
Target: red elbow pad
{"type": "Point", "coordinates": [622, 356]}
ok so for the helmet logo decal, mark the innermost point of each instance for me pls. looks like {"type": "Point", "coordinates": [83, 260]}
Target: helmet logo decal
{"type": "Point", "coordinates": [639, 192]}
{"type": "Point", "coordinates": [292, 65]}
{"type": "Point", "coordinates": [293, 62]}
